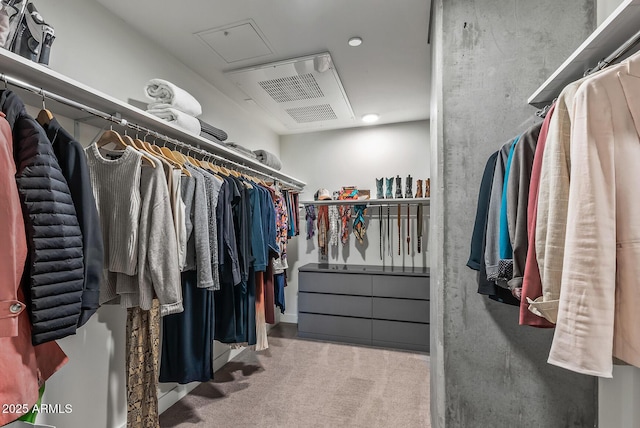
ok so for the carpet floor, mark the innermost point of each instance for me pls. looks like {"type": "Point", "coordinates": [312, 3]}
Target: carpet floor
{"type": "Point", "coordinates": [304, 383]}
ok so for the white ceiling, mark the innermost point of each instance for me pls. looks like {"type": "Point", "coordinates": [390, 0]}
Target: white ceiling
{"type": "Point", "coordinates": [388, 74]}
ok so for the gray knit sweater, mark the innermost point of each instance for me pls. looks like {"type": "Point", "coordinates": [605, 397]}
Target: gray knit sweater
{"type": "Point", "coordinates": [158, 270]}
{"type": "Point", "coordinates": [214, 185]}
{"type": "Point", "coordinates": [116, 188]}
{"type": "Point", "coordinates": [200, 234]}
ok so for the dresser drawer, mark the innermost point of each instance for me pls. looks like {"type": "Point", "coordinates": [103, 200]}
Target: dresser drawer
{"type": "Point", "coordinates": [334, 283]}
{"type": "Point", "coordinates": [401, 310]}
{"type": "Point", "coordinates": [400, 332]}
{"type": "Point", "coordinates": [335, 304]}
{"type": "Point", "coordinates": [329, 325]}
{"type": "Point", "coordinates": [405, 287]}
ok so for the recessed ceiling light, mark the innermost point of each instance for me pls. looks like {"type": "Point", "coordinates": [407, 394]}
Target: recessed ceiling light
{"type": "Point", "coordinates": [355, 41]}
{"type": "Point", "coordinates": [370, 118]}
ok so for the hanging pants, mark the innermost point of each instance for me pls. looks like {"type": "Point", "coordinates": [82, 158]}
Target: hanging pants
{"type": "Point", "coordinates": [143, 354]}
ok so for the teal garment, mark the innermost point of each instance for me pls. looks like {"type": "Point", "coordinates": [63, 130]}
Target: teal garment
{"type": "Point", "coordinates": [506, 251]}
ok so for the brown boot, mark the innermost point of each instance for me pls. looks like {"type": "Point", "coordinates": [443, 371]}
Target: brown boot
{"type": "Point", "coordinates": [419, 189]}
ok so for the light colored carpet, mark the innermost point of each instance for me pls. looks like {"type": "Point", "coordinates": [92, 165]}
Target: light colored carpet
{"type": "Point", "coordinates": [303, 383]}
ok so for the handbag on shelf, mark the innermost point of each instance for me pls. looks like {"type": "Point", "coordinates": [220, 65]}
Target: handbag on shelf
{"type": "Point", "coordinates": [27, 33]}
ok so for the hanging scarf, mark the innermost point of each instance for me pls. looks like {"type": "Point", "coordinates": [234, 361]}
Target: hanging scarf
{"type": "Point", "coordinates": [311, 218]}
{"type": "Point", "coordinates": [345, 215]}
{"type": "Point", "coordinates": [323, 228]}
{"type": "Point", "coordinates": [359, 227]}
{"type": "Point", "coordinates": [345, 211]}
{"type": "Point", "coordinates": [334, 225]}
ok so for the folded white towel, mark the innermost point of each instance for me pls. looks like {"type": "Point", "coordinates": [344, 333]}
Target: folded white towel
{"type": "Point", "coordinates": [167, 95]}
{"type": "Point", "coordinates": [178, 118]}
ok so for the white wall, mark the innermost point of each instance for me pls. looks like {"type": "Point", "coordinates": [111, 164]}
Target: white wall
{"type": "Point", "coordinates": [355, 157]}
{"type": "Point", "coordinates": [98, 49]}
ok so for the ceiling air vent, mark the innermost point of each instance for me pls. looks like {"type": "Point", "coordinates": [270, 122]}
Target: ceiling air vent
{"type": "Point", "coordinates": [312, 113]}
{"type": "Point", "coordinates": [302, 93]}
{"type": "Point", "coordinates": [293, 88]}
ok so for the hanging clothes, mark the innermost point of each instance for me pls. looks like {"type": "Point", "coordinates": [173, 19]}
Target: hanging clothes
{"type": "Point", "coordinates": [259, 265]}
{"type": "Point", "coordinates": [345, 216]}
{"type": "Point", "coordinates": [505, 263]}
{"type": "Point", "coordinates": [213, 184]}
{"type": "Point", "coordinates": [158, 273]}
{"type": "Point", "coordinates": [116, 188]}
{"type": "Point", "coordinates": [334, 225]}
{"type": "Point", "coordinates": [598, 310]}
{"type": "Point", "coordinates": [282, 225]}
{"type": "Point", "coordinates": [199, 256]}
{"type": "Point", "coordinates": [187, 192]}
{"type": "Point", "coordinates": [359, 223]}
{"type": "Point", "coordinates": [531, 285]}
{"type": "Point", "coordinates": [187, 337]}
{"type": "Point", "coordinates": [142, 362]}
{"type": "Point", "coordinates": [517, 203]}
{"type": "Point", "coordinates": [269, 224]}
{"type": "Point", "coordinates": [323, 229]}
{"type": "Point", "coordinates": [311, 220]}
{"type": "Point", "coordinates": [24, 367]}
{"type": "Point", "coordinates": [279, 284]}
{"type": "Point", "coordinates": [478, 241]}
{"type": "Point", "coordinates": [492, 250]}
{"type": "Point", "coordinates": [53, 233]}
{"type": "Point", "coordinates": [226, 328]}
{"type": "Point", "coordinates": [73, 164]}
{"type": "Point", "coordinates": [553, 198]}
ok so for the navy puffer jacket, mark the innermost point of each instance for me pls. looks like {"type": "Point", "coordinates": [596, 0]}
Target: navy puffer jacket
{"type": "Point", "coordinates": [54, 273]}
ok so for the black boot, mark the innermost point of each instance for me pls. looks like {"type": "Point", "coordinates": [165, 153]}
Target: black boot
{"type": "Point", "coordinates": [398, 187]}
{"type": "Point", "coordinates": [408, 183]}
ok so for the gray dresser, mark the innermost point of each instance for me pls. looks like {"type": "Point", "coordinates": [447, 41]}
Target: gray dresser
{"type": "Point", "coordinates": [369, 305]}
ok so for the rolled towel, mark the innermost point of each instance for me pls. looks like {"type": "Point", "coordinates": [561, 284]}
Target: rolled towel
{"type": "Point", "coordinates": [269, 159]}
{"type": "Point", "coordinates": [212, 130]}
{"type": "Point", "coordinates": [241, 149]}
{"type": "Point", "coordinates": [167, 95]}
{"type": "Point", "coordinates": [178, 118]}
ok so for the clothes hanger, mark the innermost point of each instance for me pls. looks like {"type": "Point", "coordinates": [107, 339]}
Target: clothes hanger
{"type": "Point", "coordinates": [155, 148]}
{"type": "Point", "coordinates": [45, 116]}
{"type": "Point", "coordinates": [211, 166]}
{"type": "Point", "coordinates": [167, 154]}
{"type": "Point", "coordinates": [179, 156]}
{"type": "Point", "coordinates": [225, 171]}
{"type": "Point", "coordinates": [215, 167]}
{"type": "Point", "coordinates": [112, 137]}
{"type": "Point", "coordinates": [130, 141]}
{"type": "Point", "coordinates": [192, 160]}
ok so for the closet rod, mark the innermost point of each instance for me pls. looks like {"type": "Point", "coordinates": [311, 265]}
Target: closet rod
{"type": "Point", "coordinates": [124, 123]}
{"type": "Point", "coordinates": [205, 154]}
{"type": "Point", "coordinates": [55, 97]}
{"type": "Point", "coordinates": [623, 49]}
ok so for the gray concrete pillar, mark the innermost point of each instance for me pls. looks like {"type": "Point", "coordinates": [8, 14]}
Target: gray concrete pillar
{"type": "Point", "coordinates": [488, 57]}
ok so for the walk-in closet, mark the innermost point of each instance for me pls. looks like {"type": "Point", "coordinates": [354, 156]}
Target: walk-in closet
{"type": "Point", "coordinates": [377, 214]}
